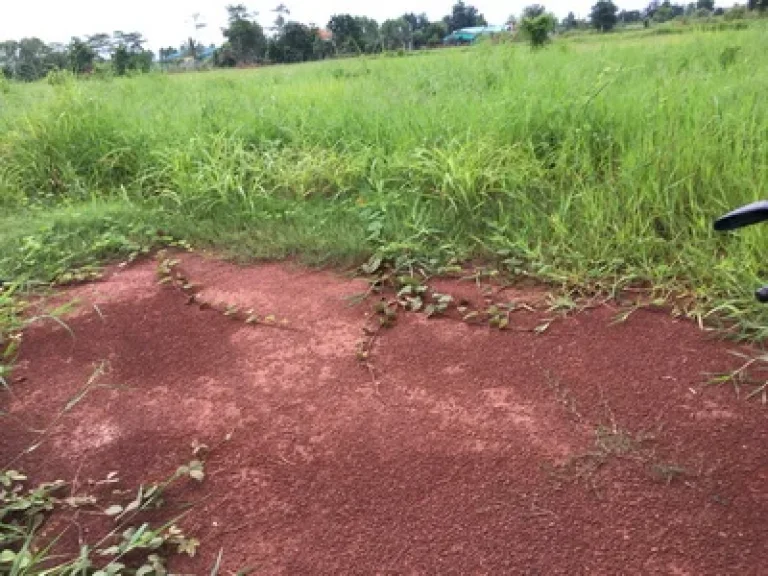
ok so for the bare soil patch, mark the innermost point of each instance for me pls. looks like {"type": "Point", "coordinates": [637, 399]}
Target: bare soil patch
{"type": "Point", "coordinates": [591, 448]}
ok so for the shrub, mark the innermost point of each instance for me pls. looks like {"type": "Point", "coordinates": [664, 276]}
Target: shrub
{"type": "Point", "coordinates": [60, 77]}
{"type": "Point", "coordinates": [736, 13]}
{"type": "Point", "coordinates": [537, 29]}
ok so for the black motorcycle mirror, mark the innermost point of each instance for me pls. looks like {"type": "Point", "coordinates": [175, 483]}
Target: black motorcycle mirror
{"type": "Point", "coordinates": [741, 217]}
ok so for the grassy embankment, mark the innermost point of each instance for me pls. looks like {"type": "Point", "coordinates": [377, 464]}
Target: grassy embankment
{"type": "Point", "coordinates": [600, 159]}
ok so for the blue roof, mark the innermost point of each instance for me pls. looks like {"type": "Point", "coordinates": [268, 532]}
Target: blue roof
{"type": "Point", "coordinates": [483, 29]}
{"type": "Point", "coordinates": [473, 32]}
{"type": "Point", "coordinates": [206, 52]}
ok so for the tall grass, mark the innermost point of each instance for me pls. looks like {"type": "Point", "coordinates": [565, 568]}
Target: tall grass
{"type": "Point", "coordinates": [601, 160]}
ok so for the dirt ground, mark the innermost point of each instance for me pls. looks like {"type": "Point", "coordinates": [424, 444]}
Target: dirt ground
{"type": "Point", "coordinates": [591, 448]}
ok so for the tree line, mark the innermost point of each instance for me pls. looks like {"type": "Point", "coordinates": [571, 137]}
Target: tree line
{"type": "Point", "coordinates": [537, 24]}
{"type": "Point", "coordinates": [246, 42]}
{"type": "Point", "coordinates": [31, 59]}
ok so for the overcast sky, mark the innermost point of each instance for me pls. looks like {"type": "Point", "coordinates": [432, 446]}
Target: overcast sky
{"type": "Point", "coordinates": [169, 22]}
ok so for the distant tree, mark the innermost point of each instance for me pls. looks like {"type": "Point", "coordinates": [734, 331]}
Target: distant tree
{"type": "Point", "coordinates": [435, 33]}
{"type": "Point", "coordinates": [603, 15]}
{"type": "Point", "coordinates": [664, 13]}
{"type": "Point", "coordinates": [347, 33]}
{"type": "Point", "coordinates": [533, 11]}
{"type": "Point", "coordinates": [25, 60]}
{"type": "Point", "coordinates": [569, 22]}
{"type": "Point", "coordinates": [677, 10]}
{"type": "Point", "coordinates": [192, 48]}
{"type": "Point", "coordinates": [282, 11]}
{"type": "Point", "coordinates": [396, 34]}
{"type": "Point", "coordinates": [81, 56]}
{"type": "Point", "coordinates": [55, 57]}
{"type": "Point", "coordinates": [8, 58]}
{"type": "Point", "coordinates": [538, 29]}
{"type": "Point", "coordinates": [142, 61]}
{"type": "Point", "coordinates": [370, 40]}
{"type": "Point", "coordinates": [30, 65]}
{"type": "Point", "coordinates": [166, 53]}
{"type": "Point", "coordinates": [246, 39]}
{"type": "Point", "coordinates": [133, 41]}
{"type": "Point", "coordinates": [128, 53]}
{"type": "Point", "coordinates": [121, 60]}
{"type": "Point", "coordinates": [419, 23]}
{"type": "Point", "coordinates": [101, 44]}
{"type": "Point", "coordinates": [464, 16]}
{"type": "Point", "coordinates": [630, 16]}
{"type": "Point", "coordinates": [761, 5]}
{"type": "Point", "coordinates": [224, 57]}
{"type": "Point", "coordinates": [294, 43]}
{"type": "Point", "coordinates": [737, 12]}
{"type": "Point", "coordinates": [239, 12]}
{"type": "Point", "coordinates": [31, 59]}
{"type": "Point", "coordinates": [651, 9]}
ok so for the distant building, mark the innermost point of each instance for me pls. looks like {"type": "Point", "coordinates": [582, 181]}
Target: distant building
{"type": "Point", "coordinates": [470, 35]}
{"type": "Point", "coordinates": [183, 56]}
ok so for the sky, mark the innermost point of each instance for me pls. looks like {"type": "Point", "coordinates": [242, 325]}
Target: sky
{"type": "Point", "coordinates": [170, 22]}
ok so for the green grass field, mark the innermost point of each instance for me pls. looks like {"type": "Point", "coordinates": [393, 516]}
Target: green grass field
{"type": "Point", "coordinates": [599, 161]}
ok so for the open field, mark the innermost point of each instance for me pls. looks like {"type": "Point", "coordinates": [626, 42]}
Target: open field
{"type": "Point", "coordinates": [503, 391]}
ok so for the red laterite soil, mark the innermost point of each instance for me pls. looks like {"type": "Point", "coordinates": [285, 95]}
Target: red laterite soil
{"type": "Point", "coordinates": [592, 448]}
